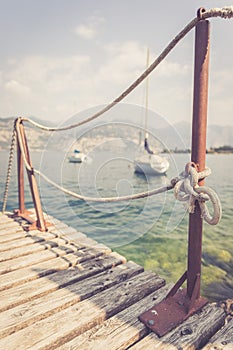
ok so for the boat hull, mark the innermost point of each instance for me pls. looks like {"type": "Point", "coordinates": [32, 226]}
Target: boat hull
{"type": "Point", "coordinates": [75, 160]}
{"type": "Point", "coordinates": [150, 166]}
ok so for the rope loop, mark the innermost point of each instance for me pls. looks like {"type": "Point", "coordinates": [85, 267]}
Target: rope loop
{"type": "Point", "coordinates": [187, 190]}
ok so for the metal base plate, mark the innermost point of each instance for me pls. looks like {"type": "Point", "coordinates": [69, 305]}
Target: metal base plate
{"type": "Point", "coordinates": [32, 224]}
{"type": "Point", "coordinates": [170, 312]}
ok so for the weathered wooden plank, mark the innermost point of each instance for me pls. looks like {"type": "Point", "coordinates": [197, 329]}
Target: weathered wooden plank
{"type": "Point", "coordinates": [68, 231]}
{"type": "Point", "coordinates": [36, 247]}
{"type": "Point", "coordinates": [44, 285]}
{"type": "Point", "coordinates": [34, 258]}
{"type": "Point", "coordinates": [74, 236]}
{"type": "Point", "coordinates": [24, 242]}
{"type": "Point", "coordinates": [119, 331]}
{"type": "Point", "coordinates": [81, 239]}
{"type": "Point", "coordinates": [191, 334]}
{"type": "Point", "coordinates": [9, 231]}
{"type": "Point", "coordinates": [21, 234]}
{"type": "Point", "coordinates": [68, 323]}
{"type": "Point", "coordinates": [24, 315]}
{"type": "Point", "coordinates": [13, 235]}
{"type": "Point", "coordinates": [45, 268]}
{"type": "Point", "coordinates": [223, 339]}
{"type": "Point", "coordinates": [4, 218]}
{"type": "Point", "coordinates": [58, 228]}
{"type": "Point", "coordinates": [10, 227]}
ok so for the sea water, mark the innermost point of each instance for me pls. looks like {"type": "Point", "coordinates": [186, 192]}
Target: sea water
{"type": "Point", "coordinates": [151, 231]}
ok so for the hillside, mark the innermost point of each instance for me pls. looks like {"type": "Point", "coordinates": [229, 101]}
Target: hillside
{"type": "Point", "coordinates": [37, 139]}
{"type": "Point", "coordinates": [173, 137]}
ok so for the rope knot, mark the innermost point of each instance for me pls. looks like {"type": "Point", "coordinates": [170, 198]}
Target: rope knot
{"type": "Point", "coordinates": [187, 190]}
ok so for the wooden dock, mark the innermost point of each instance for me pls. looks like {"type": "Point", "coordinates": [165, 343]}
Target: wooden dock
{"type": "Point", "coordinates": [62, 290]}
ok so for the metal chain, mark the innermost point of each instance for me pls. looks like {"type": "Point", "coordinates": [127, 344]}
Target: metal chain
{"type": "Point", "coordinates": [8, 177]}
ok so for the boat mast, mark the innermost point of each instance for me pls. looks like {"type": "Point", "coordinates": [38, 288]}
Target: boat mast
{"type": "Point", "coordinates": [147, 91]}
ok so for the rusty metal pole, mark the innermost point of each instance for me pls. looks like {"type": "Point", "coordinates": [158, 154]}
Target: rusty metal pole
{"type": "Point", "coordinates": [40, 223]}
{"type": "Point", "coordinates": [179, 304]}
{"type": "Point", "coordinates": [20, 180]}
{"type": "Point", "coordinates": [198, 151]}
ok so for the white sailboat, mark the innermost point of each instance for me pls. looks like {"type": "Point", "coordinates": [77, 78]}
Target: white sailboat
{"type": "Point", "coordinates": [77, 157]}
{"type": "Point", "coordinates": [150, 163]}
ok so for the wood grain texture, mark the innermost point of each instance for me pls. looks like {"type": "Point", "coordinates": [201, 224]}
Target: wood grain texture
{"type": "Point", "coordinates": [64, 325]}
{"type": "Point", "coordinates": [63, 290]}
{"type": "Point", "coordinates": [223, 339]}
{"type": "Point", "coordinates": [35, 247]}
{"type": "Point", "coordinates": [25, 314]}
{"type": "Point", "coordinates": [119, 331]}
{"type": "Point", "coordinates": [47, 267]}
{"type": "Point", "coordinates": [191, 334]}
{"type": "Point", "coordinates": [25, 241]}
{"type": "Point", "coordinates": [44, 285]}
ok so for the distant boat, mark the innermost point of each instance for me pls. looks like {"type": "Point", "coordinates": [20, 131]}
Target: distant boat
{"type": "Point", "coordinates": [153, 164]}
{"type": "Point", "coordinates": [150, 163]}
{"type": "Point", "coordinates": [77, 157]}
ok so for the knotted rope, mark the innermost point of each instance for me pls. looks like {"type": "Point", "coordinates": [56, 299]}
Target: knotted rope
{"type": "Point", "coordinates": [187, 190]}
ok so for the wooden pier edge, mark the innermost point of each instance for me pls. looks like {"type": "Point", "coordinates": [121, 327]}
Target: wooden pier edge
{"type": "Point", "coordinates": [63, 290]}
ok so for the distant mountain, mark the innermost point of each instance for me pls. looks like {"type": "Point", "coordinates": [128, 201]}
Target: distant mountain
{"type": "Point", "coordinates": [181, 135]}
{"type": "Point", "coordinates": [177, 136]}
{"type": "Point", "coordinates": [220, 135]}
{"type": "Point", "coordinates": [37, 138]}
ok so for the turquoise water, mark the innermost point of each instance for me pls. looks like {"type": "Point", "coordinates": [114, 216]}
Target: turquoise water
{"type": "Point", "coordinates": [151, 231]}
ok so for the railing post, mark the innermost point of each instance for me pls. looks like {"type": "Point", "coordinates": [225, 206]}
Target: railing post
{"type": "Point", "coordinates": [181, 303]}
{"type": "Point", "coordinates": [20, 166]}
{"type": "Point", "coordinates": [198, 152]}
{"type": "Point", "coordinates": [22, 212]}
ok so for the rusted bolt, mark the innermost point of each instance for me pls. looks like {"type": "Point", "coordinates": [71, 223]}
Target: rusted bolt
{"type": "Point", "coordinates": [150, 322]}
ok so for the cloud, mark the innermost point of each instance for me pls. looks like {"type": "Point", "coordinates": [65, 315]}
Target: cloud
{"type": "Point", "coordinates": [15, 87]}
{"type": "Point", "coordinates": [62, 86]}
{"type": "Point", "coordinates": [90, 29]}
{"type": "Point", "coordinates": [124, 61]}
{"type": "Point", "coordinates": [58, 87]}
{"type": "Point", "coordinates": [37, 85]}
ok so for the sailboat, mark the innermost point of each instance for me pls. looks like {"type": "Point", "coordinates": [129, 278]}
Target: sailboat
{"type": "Point", "coordinates": [150, 163]}
{"type": "Point", "coordinates": [77, 157]}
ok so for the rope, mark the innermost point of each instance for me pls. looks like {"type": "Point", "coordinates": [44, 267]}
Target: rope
{"type": "Point", "coordinates": [107, 199]}
{"type": "Point", "coordinates": [79, 196]}
{"type": "Point", "coordinates": [9, 169]}
{"type": "Point", "coordinates": [188, 190]}
{"type": "Point", "coordinates": [187, 183]}
{"type": "Point", "coordinates": [225, 12]}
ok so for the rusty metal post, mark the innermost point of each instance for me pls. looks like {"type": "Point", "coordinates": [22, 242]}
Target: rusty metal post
{"type": "Point", "coordinates": [20, 179]}
{"type": "Point", "coordinates": [198, 152]}
{"type": "Point", "coordinates": [22, 212]}
{"type": "Point", "coordinates": [179, 304]}
{"type": "Point", "coordinates": [40, 224]}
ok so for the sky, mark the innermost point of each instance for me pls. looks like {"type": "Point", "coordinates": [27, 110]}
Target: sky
{"type": "Point", "coordinates": [61, 57]}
